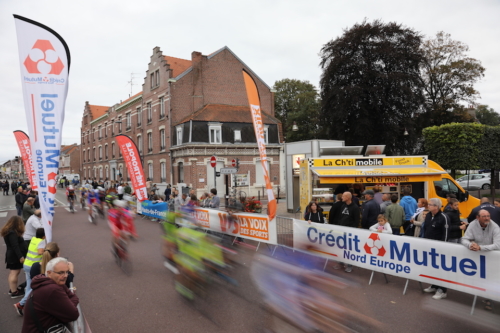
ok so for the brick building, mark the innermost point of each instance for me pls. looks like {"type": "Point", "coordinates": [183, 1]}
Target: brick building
{"type": "Point", "coordinates": [69, 159]}
{"type": "Point", "coordinates": [188, 110]}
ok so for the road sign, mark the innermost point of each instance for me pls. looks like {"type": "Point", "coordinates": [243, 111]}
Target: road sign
{"type": "Point", "coordinates": [233, 163]}
{"type": "Point", "coordinates": [213, 161]}
{"type": "Point", "coordinates": [228, 170]}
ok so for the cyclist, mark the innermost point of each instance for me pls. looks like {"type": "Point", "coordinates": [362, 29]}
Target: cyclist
{"type": "Point", "coordinates": [71, 196]}
{"type": "Point", "coordinates": [92, 200]}
{"type": "Point", "coordinates": [102, 197]}
{"type": "Point", "coordinates": [83, 196]}
{"type": "Point", "coordinates": [118, 224]}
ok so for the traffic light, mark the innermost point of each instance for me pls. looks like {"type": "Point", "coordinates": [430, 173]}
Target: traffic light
{"type": "Point", "coordinates": [237, 163]}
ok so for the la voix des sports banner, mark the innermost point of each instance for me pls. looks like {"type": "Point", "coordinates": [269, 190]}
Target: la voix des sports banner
{"type": "Point", "coordinates": [258, 125]}
{"type": "Point", "coordinates": [443, 264]}
{"type": "Point", "coordinates": [133, 161]}
{"type": "Point", "coordinates": [23, 142]}
{"type": "Point", "coordinates": [253, 226]}
{"type": "Point", "coordinates": [44, 60]}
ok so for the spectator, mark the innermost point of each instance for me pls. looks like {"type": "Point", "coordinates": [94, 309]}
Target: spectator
{"type": "Point", "coordinates": [13, 187]}
{"type": "Point", "coordinates": [35, 251]}
{"type": "Point", "coordinates": [421, 207]}
{"type": "Point", "coordinates": [336, 210]}
{"type": "Point", "coordinates": [127, 189]}
{"type": "Point", "coordinates": [120, 190]}
{"type": "Point", "coordinates": [28, 209]}
{"type": "Point", "coordinates": [355, 198]}
{"type": "Point", "coordinates": [154, 188]}
{"type": "Point", "coordinates": [34, 194]}
{"type": "Point", "coordinates": [496, 203]}
{"type": "Point", "coordinates": [6, 187]}
{"type": "Point", "coordinates": [371, 210]}
{"type": "Point", "coordinates": [386, 201]}
{"type": "Point", "coordinates": [314, 215]}
{"type": "Point", "coordinates": [409, 205]}
{"type": "Point", "coordinates": [12, 233]}
{"type": "Point", "coordinates": [20, 198]}
{"type": "Point", "coordinates": [205, 200]}
{"type": "Point", "coordinates": [378, 197]}
{"type": "Point", "coordinates": [481, 235]}
{"type": "Point", "coordinates": [171, 203]}
{"type": "Point", "coordinates": [456, 225]}
{"type": "Point", "coordinates": [436, 226]}
{"type": "Point", "coordinates": [54, 304]}
{"type": "Point", "coordinates": [449, 198]}
{"type": "Point", "coordinates": [34, 222]}
{"type": "Point", "coordinates": [168, 191]}
{"type": "Point", "coordinates": [485, 204]}
{"type": "Point", "coordinates": [215, 200]}
{"type": "Point", "coordinates": [350, 217]}
{"type": "Point", "coordinates": [382, 225]}
{"type": "Point", "coordinates": [395, 214]}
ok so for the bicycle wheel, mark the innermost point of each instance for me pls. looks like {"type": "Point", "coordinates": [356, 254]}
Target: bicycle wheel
{"type": "Point", "coordinates": [94, 214]}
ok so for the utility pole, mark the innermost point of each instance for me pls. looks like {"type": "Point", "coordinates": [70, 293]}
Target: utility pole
{"type": "Point", "coordinates": [131, 82]}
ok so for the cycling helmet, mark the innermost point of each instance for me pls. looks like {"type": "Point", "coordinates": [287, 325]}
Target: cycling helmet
{"type": "Point", "coordinates": [120, 203]}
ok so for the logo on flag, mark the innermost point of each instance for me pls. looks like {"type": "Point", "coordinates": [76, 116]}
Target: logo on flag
{"type": "Point", "coordinates": [43, 59]}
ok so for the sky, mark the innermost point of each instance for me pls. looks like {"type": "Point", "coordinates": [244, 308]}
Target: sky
{"type": "Point", "coordinates": [277, 39]}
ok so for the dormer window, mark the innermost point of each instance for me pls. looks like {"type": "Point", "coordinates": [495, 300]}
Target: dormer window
{"type": "Point", "coordinates": [215, 133]}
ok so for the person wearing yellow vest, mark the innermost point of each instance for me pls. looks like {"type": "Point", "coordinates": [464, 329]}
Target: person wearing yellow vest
{"type": "Point", "coordinates": [35, 252]}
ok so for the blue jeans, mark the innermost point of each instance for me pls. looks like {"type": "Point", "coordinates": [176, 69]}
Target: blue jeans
{"type": "Point", "coordinates": [19, 211]}
{"type": "Point", "coordinates": [27, 291]}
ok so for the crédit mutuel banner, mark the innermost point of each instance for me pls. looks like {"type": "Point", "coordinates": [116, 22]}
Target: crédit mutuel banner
{"type": "Point", "coordinates": [134, 165]}
{"type": "Point", "coordinates": [45, 59]}
{"type": "Point", "coordinates": [444, 264]}
{"type": "Point", "coordinates": [23, 142]}
{"type": "Point", "coordinates": [253, 226]}
{"type": "Point", "coordinates": [258, 125]}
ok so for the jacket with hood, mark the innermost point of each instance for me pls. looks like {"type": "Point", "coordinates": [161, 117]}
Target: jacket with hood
{"type": "Point", "coordinates": [455, 223]}
{"type": "Point", "coordinates": [409, 204]}
{"type": "Point", "coordinates": [350, 215]}
{"type": "Point", "coordinates": [54, 304]}
{"type": "Point", "coordinates": [437, 226]}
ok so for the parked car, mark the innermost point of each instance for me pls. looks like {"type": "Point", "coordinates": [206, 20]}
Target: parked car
{"type": "Point", "coordinates": [475, 181]}
{"type": "Point", "coordinates": [484, 171]}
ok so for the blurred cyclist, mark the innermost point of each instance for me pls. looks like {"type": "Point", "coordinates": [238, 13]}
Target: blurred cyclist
{"type": "Point", "coordinates": [92, 200]}
{"type": "Point", "coordinates": [117, 222]}
{"type": "Point", "coordinates": [71, 196]}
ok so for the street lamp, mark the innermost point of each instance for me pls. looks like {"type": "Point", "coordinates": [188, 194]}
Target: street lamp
{"type": "Point", "coordinates": [406, 132]}
{"type": "Point", "coordinates": [295, 128]}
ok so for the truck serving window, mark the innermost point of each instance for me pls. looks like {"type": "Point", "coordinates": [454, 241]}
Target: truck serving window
{"type": "Point", "coordinates": [445, 186]}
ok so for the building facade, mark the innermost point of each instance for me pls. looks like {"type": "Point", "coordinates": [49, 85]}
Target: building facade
{"type": "Point", "coordinates": [187, 111]}
{"type": "Point", "coordinates": [69, 159]}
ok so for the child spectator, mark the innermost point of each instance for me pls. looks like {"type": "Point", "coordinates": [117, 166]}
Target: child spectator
{"type": "Point", "coordinates": [382, 225]}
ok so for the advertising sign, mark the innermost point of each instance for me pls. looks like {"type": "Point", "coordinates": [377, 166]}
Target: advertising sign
{"type": "Point", "coordinates": [134, 165]}
{"type": "Point", "coordinates": [45, 60]}
{"type": "Point", "coordinates": [242, 180]}
{"type": "Point", "coordinates": [157, 210]}
{"type": "Point", "coordinates": [444, 264]}
{"type": "Point", "coordinates": [23, 142]}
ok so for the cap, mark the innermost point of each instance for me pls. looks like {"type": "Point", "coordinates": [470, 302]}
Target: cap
{"type": "Point", "coordinates": [369, 192]}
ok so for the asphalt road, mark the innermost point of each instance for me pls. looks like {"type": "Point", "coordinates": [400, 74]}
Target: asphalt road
{"type": "Point", "coordinates": [146, 301]}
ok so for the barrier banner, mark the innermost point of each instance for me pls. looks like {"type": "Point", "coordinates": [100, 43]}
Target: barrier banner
{"type": "Point", "coordinates": [443, 264]}
{"type": "Point", "coordinates": [257, 227]}
{"type": "Point", "coordinates": [157, 210]}
{"type": "Point", "coordinates": [134, 165]}
{"type": "Point", "coordinates": [23, 142]}
{"type": "Point", "coordinates": [258, 125]}
{"type": "Point", "coordinates": [45, 60]}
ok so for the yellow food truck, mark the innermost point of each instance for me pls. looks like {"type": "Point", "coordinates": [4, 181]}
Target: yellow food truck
{"type": "Point", "coordinates": [320, 178]}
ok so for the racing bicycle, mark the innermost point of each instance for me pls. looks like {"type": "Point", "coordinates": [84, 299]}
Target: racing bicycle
{"type": "Point", "coordinates": [122, 257]}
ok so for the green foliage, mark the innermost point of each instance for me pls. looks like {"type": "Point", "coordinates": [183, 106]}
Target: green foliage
{"type": "Point", "coordinates": [487, 116]}
{"type": "Point", "coordinates": [370, 86]}
{"type": "Point", "coordinates": [456, 145]}
{"type": "Point", "coordinates": [489, 157]}
{"type": "Point", "coordinates": [448, 77]}
{"type": "Point", "coordinates": [297, 101]}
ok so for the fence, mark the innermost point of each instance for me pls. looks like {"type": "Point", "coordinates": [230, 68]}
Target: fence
{"type": "Point", "coordinates": [284, 226]}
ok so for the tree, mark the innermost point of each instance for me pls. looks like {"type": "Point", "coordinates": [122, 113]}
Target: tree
{"type": "Point", "coordinates": [448, 76]}
{"type": "Point", "coordinates": [297, 101]}
{"type": "Point", "coordinates": [371, 89]}
{"type": "Point", "coordinates": [487, 116]}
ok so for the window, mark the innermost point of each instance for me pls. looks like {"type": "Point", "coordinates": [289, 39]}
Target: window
{"type": "Point", "coordinates": [106, 130]}
{"type": "Point", "coordinates": [100, 173]}
{"type": "Point", "coordinates": [150, 142]}
{"type": "Point", "coordinates": [107, 172]}
{"type": "Point", "coordinates": [93, 152]}
{"type": "Point", "coordinates": [237, 136]}
{"type": "Point", "coordinates": [266, 134]}
{"type": "Point", "coordinates": [150, 112]}
{"type": "Point", "coordinates": [152, 80]}
{"type": "Point", "coordinates": [113, 127]}
{"type": "Point", "coordinates": [163, 172]}
{"type": "Point", "coordinates": [179, 134]}
{"type": "Point", "coordinates": [100, 132]}
{"type": "Point", "coordinates": [150, 171]}
{"type": "Point", "coordinates": [157, 77]}
{"type": "Point", "coordinates": [88, 137]}
{"type": "Point", "coordinates": [181, 172]}
{"type": "Point", "coordinates": [162, 139]}
{"type": "Point", "coordinates": [139, 116]}
{"type": "Point", "coordinates": [88, 155]}
{"type": "Point", "coordinates": [139, 143]}
{"type": "Point", "coordinates": [129, 121]}
{"type": "Point", "coordinates": [100, 152]}
{"type": "Point", "coordinates": [259, 173]}
{"type": "Point", "coordinates": [162, 108]}
{"type": "Point", "coordinates": [93, 135]}
{"type": "Point", "coordinates": [119, 124]}
{"type": "Point", "coordinates": [215, 133]}
{"type": "Point", "coordinates": [444, 187]}
{"type": "Point", "coordinates": [113, 149]}
{"type": "Point", "coordinates": [106, 151]}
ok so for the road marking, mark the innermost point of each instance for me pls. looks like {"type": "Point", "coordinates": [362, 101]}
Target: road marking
{"type": "Point", "coordinates": [3, 214]}
{"type": "Point", "coordinates": [69, 210]}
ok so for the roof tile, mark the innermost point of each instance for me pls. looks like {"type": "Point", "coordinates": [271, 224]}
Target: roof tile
{"type": "Point", "coordinates": [98, 111]}
{"type": "Point", "coordinates": [177, 65]}
{"type": "Point", "coordinates": [227, 114]}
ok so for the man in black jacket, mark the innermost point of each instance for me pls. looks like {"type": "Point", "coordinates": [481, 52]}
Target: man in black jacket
{"type": "Point", "coordinates": [20, 198]}
{"type": "Point", "coordinates": [436, 226]}
{"type": "Point", "coordinates": [349, 217]}
{"type": "Point", "coordinates": [485, 204]}
{"type": "Point", "coordinates": [371, 210]}
{"type": "Point", "coordinates": [336, 210]}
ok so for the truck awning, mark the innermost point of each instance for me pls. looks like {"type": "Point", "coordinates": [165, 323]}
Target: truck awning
{"type": "Point", "coordinates": [377, 175]}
